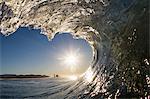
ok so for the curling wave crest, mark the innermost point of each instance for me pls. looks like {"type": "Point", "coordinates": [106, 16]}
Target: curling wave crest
{"type": "Point", "coordinates": [117, 30]}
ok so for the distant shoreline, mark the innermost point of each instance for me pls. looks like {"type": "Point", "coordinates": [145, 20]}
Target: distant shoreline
{"type": "Point", "coordinates": [11, 76]}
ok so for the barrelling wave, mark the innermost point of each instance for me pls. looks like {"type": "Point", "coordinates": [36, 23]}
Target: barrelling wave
{"type": "Point", "coordinates": [117, 31]}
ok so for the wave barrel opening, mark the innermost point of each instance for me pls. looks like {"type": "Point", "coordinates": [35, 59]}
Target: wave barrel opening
{"type": "Point", "coordinates": [117, 31]}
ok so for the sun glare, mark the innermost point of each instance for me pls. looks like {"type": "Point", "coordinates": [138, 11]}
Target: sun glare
{"type": "Point", "coordinates": [73, 77]}
{"type": "Point", "coordinates": [71, 60]}
{"type": "Point", "coordinates": [89, 75]}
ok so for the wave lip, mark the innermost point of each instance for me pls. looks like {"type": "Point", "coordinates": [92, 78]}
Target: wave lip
{"type": "Point", "coordinates": [115, 30]}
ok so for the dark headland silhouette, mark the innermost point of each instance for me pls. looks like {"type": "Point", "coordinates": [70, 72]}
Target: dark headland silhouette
{"type": "Point", "coordinates": [22, 76]}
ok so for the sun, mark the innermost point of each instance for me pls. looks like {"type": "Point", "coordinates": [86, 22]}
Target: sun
{"type": "Point", "coordinates": [71, 59]}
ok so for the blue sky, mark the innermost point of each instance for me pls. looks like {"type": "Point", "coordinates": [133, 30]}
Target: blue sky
{"type": "Point", "coordinates": [29, 52]}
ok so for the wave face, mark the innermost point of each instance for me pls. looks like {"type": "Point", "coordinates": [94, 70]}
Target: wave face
{"type": "Point", "coordinates": [117, 30]}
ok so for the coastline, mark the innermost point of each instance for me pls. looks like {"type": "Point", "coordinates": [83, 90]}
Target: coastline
{"type": "Point", "coordinates": [13, 76]}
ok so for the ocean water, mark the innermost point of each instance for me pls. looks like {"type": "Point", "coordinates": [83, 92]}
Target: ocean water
{"type": "Point", "coordinates": [47, 88]}
{"type": "Point", "coordinates": [117, 30]}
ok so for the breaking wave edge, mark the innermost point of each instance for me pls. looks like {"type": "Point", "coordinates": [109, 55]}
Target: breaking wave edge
{"type": "Point", "coordinates": [115, 29]}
